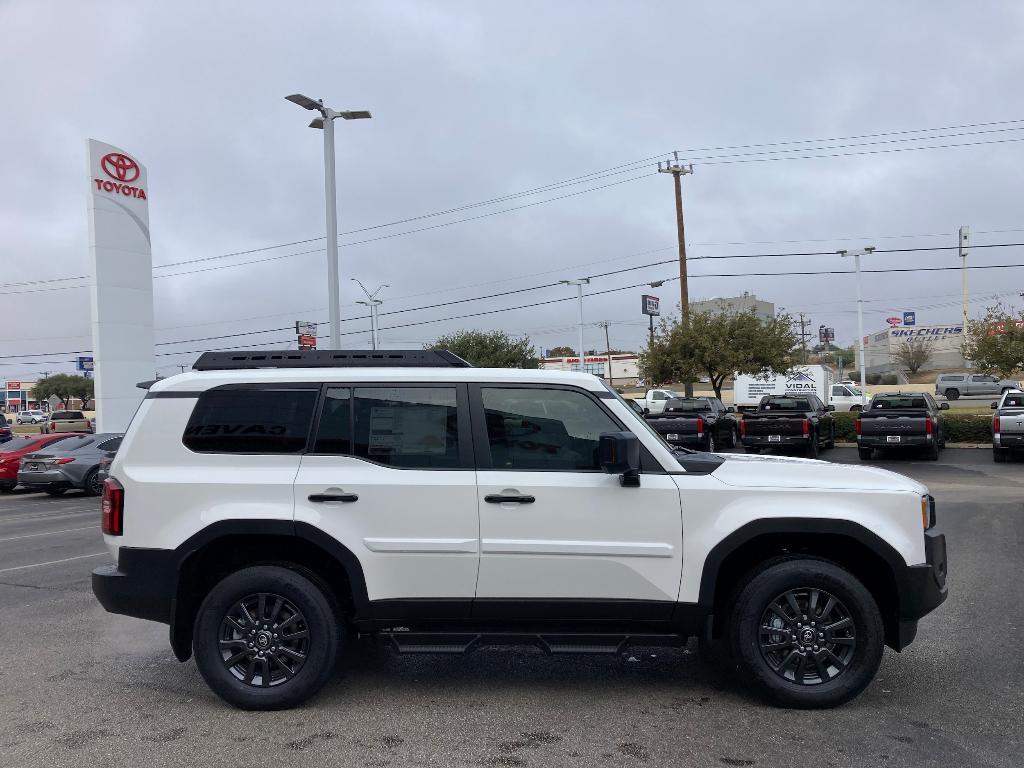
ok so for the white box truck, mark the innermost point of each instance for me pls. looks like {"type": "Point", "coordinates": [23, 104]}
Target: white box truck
{"type": "Point", "coordinates": [747, 390]}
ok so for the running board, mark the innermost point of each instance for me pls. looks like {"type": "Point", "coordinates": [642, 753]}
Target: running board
{"type": "Point", "coordinates": [554, 644]}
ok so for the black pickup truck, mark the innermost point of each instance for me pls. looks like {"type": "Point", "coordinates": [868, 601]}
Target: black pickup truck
{"type": "Point", "coordinates": [901, 420]}
{"type": "Point", "coordinates": [787, 421]}
{"type": "Point", "coordinates": [704, 423]}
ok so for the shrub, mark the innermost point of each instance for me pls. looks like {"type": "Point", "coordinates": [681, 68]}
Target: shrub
{"type": "Point", "coordinates": [888, 378]}
{"type": "Point", "coordinates": [960, 427]}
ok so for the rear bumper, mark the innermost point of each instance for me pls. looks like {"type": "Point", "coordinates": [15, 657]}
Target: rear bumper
{"type": "Point", "coordinates": [922, 588]}
{"type": "Point", "coordinates": [1004, 440]}
{"type": "Point", "coordinates": [143, 584]}
{"type": "Point", "coordinates": [49, 479]}
{"type": "Point", "coordinates": [683, 439]}
{"type": "Point", "coordinates": [762, 441]}
{"type": "Point", "coordinates": [905, 441]}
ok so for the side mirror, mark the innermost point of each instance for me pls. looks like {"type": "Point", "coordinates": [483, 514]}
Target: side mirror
{"type": "Point", "coordinates": [730, 409]}
{"type": "Point", "coordinates": [830, 407]}
{"type": "Point", "coordinates": [619, 454]}
{"type": "Point", "coordinates": [647, 411]}
{"type": "Point", "coordinates": [994, 406]}
{"type": "Point", "coordinates": [945, 406]}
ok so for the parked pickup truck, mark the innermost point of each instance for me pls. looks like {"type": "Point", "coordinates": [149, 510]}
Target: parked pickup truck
{"type": "Point", "coordinates": [704, 423]}
{"type": "Point", "coordinates": [785, 421]}
{"type": "Point", "coordinates": [1008, 425]}
{"type": "Point", "coordinates": [901, 420]}
{"type": "Point", "coordinates": [655, 399]}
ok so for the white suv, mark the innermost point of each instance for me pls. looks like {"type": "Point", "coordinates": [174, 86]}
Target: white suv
{"type": "Point", "coordinates": [266, 504]}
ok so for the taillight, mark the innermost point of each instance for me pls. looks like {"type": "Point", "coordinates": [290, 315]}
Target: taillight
{"type": "Point", "coordinates": [995, 426]}
{"type": "Point", "coordinates": [700, 425]}
{"type": "Point", "coordinates": [807, 427]}
{"type": "Point", "coordinates": [856, 425]}
{"type": "Point", "coordinates": [113, 507]}
{"type": "Point", "coordinates": [63, 460]}
{"type": "Point", "coordinates": [743, 427]}
{"type": "Point", "coordinates": [929, 426]}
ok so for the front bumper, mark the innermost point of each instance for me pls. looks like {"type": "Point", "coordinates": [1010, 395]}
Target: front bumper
{"type": "Point", "coordinates": [905, 441]}
{"type": "Point", "coordinates": [922, 588]}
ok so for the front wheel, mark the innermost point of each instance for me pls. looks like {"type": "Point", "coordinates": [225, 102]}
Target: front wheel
{"type": "Point", "coordinates": [266, 638]}
{"type": "Point", "coordinates": [952, 394]}
{"type": "Point", "coordinates": [806, 633]}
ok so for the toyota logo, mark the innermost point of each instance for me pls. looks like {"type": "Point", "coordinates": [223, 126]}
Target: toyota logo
{"type": "Point", "coordinates": [120, 167]}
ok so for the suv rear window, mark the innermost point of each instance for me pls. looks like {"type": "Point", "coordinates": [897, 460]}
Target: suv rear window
{"type": "Point", "coordinates": [891, 403]}
{"type": "Point", "coordinates": [66, 416]}
{"type": "Point", "coordinates": [251, 421]}
{"type": "Point", "coordinates": [786, 404]}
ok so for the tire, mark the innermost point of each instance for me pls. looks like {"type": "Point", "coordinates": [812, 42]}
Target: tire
{"type": "Point", "coordinates": [854, 409]}
{"type": "Point", "coordinates": [932, 452]}
{"type": "Point", "coordinates": [952, 394]}
{"type": "Point", "coordinates": [711, 443]}
{"type": "Point", "coordinates": [751, 449]}
{"type": "Point", "coordinates": [812, 446]}
{"type": "Point", "coordinates": [733, 440]}
{"type": "Point", "coordinates": [865, 453]}
{"type": "Point", "coordinates": [291, 679]}
{"type": "Point", "coordinates": [831, 438]}
{"type": "Point", "coordinates": [56, 491]}
{"type": "Point", "coordinates": [846, 658]}
{"type": "Point", "coordinates": [7, 487]}
{"type": "Point", "coordinates": [998, 456]}
{"type": "Point", "coordinates": [91, 487]}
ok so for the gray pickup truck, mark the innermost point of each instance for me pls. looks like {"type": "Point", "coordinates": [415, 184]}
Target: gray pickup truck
{"type": "Point", "coordinates": [1008, 425]}
{"type": "Point", "coordinates": [901, 420]}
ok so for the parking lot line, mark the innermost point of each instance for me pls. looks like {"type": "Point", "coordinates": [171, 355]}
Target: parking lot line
{"type": "Point", "coordinates": [49, 533]}
{"type": "Point", "coordinates": [52, 562]}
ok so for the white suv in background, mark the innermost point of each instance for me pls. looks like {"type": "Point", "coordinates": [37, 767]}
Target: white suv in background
{"type": "Point", "coordinates": [268, 505]}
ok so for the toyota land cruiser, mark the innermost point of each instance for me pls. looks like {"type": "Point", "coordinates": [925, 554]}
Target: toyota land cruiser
{"type": "Point", "coordinates": [269, 506]}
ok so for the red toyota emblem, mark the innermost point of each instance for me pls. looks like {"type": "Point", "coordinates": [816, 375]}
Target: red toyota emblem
{"type": "Point", "coordinates": [120, 167]}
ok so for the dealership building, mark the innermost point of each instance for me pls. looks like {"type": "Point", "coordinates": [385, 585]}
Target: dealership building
{"type": "Point", "coordinates": [625, 367]}
{"type": "Point", "coordinates": [16, 395]}
{"type": "Point", "coordinates": [943, 342]}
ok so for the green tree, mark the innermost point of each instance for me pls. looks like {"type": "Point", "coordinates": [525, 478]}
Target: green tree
{"type": "Point", "coordinates": [912, 355]}
{"type": "Point", "coordinates": [995, 343]}
{"type": "Point", "coordinates": [562, 351]}
{"type": "Point", "coordinates": [718, 344]}
{"type": "Point", "coordinates": [83, 388]}
{"type": "Point", "coordinates": [489, 349]}
{"type": "Point", "coordinates": [65, 387]}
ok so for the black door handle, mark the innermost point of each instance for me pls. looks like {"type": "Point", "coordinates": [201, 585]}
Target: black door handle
{"type": "Point", "coordinates": [497, 498]}
{"type": "Point", "coordinates": [333, 497]}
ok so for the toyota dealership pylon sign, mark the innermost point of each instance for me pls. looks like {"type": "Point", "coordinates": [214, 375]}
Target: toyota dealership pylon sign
{"type": "Point", "coordinates": [122, 291]}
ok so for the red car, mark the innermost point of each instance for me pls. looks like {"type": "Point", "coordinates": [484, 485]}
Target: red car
{"type": "Point", "coordinates": [12, 451]}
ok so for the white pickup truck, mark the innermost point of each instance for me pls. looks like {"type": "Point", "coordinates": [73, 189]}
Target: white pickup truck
{"type": "Point", "coordinates": [655, 399]}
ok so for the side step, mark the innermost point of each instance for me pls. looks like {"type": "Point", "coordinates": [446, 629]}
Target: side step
{"type": "Point", "coordinates": [561, 643]}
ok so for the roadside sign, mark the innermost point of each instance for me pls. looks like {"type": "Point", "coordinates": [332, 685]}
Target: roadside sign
{"type": "Point", "coordinates": [14, 385]}
{"type": "Point", "coordinates": [85, 364]}
{"type": "Point", "coordinates": [894, 321]}
{"type": "Point", "coordinates": [53, 401]}
{"type": "Point", "coordinates": [303, 328]}
{"type": "Point", "coordinates": [649, 305]}
{"type": "Point", "coordinates": [910, 318]}
{"type": "Point", "coordinates": [826, 334]}
{"type": "Point", "coordinates": [307, 341]}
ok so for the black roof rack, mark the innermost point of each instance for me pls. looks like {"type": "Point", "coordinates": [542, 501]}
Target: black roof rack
{"type": "Point", "coordinates": [330, 358]}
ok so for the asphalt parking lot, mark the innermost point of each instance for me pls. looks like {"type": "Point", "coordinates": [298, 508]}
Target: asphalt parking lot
{"type": "Point", "coordinates": [82, 687]}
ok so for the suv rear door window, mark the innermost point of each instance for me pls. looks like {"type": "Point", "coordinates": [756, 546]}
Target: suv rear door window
{"type": "Point", "coordinates": [545, 429]}
{"type": "Point", "coordinates": [251, 421]}
{"type": "Point", "coordinates": [410, 427]}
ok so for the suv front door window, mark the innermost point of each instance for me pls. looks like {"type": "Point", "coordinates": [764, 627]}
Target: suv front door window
{"type": "Point", "coordinates": [554, 526]}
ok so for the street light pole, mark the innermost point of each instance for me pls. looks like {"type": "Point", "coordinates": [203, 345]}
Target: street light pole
{"type": "Point", "coordinates": [860, 315]}
{"type": "Point", "coordinates": [579, 294]}
{"type": "Point", "coordinates": [326, 123]}
{"type": "Point", "coordinates": [372, 302]}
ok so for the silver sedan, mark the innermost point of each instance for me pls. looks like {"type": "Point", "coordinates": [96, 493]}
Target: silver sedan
{"type": "Point", "coordinates": [71, 463]}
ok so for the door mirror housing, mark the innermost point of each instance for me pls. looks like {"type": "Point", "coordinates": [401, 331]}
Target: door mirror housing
{"type": "Point", "coordinates": [994, 406]}
{"type": "Point", "coordinates": [945, 406]}
{"type": "Point", "coordinates": [730, 409]}
{"type": "Point", "coordinates": [830, 407]}
{"type": "Point", "coordinates": [619, 454]}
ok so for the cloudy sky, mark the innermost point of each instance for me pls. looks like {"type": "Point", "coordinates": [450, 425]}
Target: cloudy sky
{"type": "Point", "coordinates": [495, 109]}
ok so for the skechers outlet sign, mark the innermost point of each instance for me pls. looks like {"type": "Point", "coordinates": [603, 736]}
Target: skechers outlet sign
{"type": "Point", "coordinates": [118, 171]}
{"type": "Point", "coordinates": [934, 333]}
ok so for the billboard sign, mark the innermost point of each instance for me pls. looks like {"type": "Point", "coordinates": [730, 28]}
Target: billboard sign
{"type": "Point", "coordinates": [826, 334]}
{"type": "Point", "coordinates": [16, 385]}
{"type": "Point", "coordinates": [307, 341]}
{"type": "Point", "coordinates": [910, 318]}
{"type": "Point", "coordinates": [85, 364]}
{"type": "Point", "coordinates": [894, 321]}
{"type": "Point", "coordinates": [303, 328]}
{"type": "Point", "coordinates": [649, 305]}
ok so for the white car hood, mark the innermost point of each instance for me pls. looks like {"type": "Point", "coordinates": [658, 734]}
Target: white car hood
{"type": "Point", "coordinates": [786, 472]}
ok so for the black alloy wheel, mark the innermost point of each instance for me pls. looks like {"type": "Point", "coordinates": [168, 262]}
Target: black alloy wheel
{"type": "Point", "coordinates": [711, 442]}
{"type": "Point", "coordinates": [952, 394]}
{"type": "Point", "coordinates": [93, 486]}
{"type": "Point", "coordinates": [264, 640]}
{"type": "Point", "coordinates": [807, 636]}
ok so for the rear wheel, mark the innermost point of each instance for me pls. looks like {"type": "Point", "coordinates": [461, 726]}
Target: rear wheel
{"type": "Point", "coordinates": [952, 394]}
{"type": "Point", "coordinates": [831, 438]}
{"type": "Point", "coordinates": [806, 633]}
{"type": "Point", "coordinates": [93, 486]}
{"type": "Point", "coordinates": [266, 637]}
{"type": "Point", "coordinates": [932, 451]}
{"type": "Point", "coordinates": [865, 453]}
{"type": "Point", "coordinates": [711, 442]}
{"type": "Point", "coordinates": [999, 455]}
{"type": "Point", "coordinates": [812, 446]}
{"type": "Point", "coordinates": [733, 438]}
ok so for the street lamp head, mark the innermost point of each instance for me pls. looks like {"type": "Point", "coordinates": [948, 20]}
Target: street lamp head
{"type": "Point", "coordinates": [304, 101]}
{"type": "Point", "coordinates": [317, 123]}
{"type": "Point", "coordinates": [657, 284]}
{"type": "Point", "coordinates": [359, 114]}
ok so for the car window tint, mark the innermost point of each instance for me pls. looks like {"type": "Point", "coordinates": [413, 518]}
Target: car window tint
{"type": "Point", "coordinates": [551, 429]}
{"type": "Point", "coordinates": [251, 421]}
{"type": "Point", "coordinates": [410, 427]}
{"type": "Point", "coordinates": [110, 445]}
{"type": "Point", "coordinates": [1014, 401]}
{"type": "Point", "coordinates": [334, 432]}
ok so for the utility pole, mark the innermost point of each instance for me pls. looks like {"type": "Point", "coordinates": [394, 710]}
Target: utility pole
{"type": "Point", "coordinates": [803, 337]}
{"type": "Point", "coordinates": [608, 351]}
{"type": "Point", "coordinates": [860, 317]}
{"type": "Point", "coordinates": [679, 170]}
{"type": "Point", "coordinates": [579, 294]}
{"type": "Point", "coordinates": [965, 241]}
